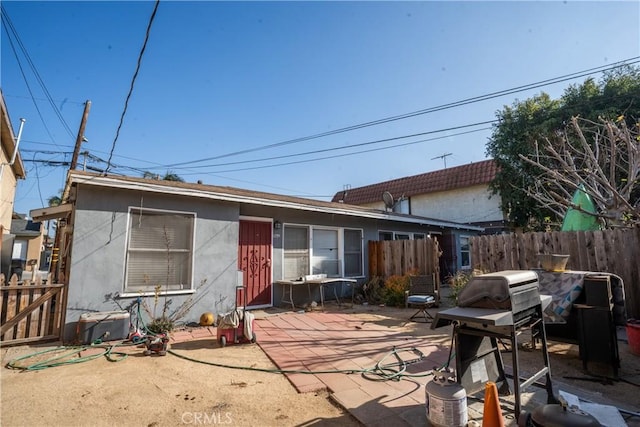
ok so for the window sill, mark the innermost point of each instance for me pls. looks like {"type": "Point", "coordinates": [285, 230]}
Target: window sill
{"type": "Point", "coordinates": [152, 293]}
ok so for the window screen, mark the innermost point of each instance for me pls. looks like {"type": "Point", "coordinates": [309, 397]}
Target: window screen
{"type": "Point", "coordinates": [296, 251]}
{"type": "Point", "coordinates": [352, 253]}
{"type": "Point", "coordinates": [160, 251]}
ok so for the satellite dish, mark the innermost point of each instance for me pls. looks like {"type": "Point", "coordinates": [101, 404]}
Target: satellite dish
{"type": "Point", "coordinates": [387, 198]}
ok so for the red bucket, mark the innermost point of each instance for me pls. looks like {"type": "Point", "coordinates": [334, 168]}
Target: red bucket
{"type": "Point", "coordinates": [633, 336]}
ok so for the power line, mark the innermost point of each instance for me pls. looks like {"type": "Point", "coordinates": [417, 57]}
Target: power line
{"type": "Point", "coordinates": [133, 81]}
{"type": "Point", "coordinates": [354, 153]}
{"type": "Point", "coordinates": [324, 150]}
{"type": "Point", "coordinates": [9, 24]}
{"type": "Point", "coordinates": [460, 103]}
{"type": "Point", "coordinates": [24, 77]}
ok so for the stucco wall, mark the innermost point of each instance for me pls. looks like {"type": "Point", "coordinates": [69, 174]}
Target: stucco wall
{"type": "Point", "coordinates": [465, 205]}
{"type": "Point", "coordinates": [7, 192]}
{"type": "Point", "coordinates": [99, 248]}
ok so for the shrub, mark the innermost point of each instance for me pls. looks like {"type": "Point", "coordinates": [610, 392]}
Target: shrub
{"type": "Point", "coordinates": [395, 288]}
{"type": "Point", "coordinates": [458, 281]}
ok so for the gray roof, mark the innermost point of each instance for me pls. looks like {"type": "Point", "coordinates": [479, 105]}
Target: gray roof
{"type": "Point", "coordinates": [25, 227]}
{"type": "Point", "coordinates": [238, 195]}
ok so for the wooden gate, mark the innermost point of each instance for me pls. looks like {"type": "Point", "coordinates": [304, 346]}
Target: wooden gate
{"type": "Point", "coordinates": [31, 311]}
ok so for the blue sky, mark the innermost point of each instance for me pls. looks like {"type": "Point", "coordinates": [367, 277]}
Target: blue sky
{"type": "Point", "coordinates": [217, 78]}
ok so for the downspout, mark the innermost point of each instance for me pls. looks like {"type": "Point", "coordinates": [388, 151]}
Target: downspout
{"type": "Point", "coordinates": [15, 150]}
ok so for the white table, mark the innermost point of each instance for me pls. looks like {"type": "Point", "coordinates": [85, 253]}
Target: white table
{"type": "Point", "coordinates": [315, 280]}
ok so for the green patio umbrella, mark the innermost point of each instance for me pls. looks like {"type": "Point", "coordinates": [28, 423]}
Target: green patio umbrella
{"type": "Point", "coordinates": [576, 220]}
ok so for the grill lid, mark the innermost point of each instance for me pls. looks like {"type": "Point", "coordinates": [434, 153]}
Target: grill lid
{"type": "Point", "coordinates": [496, 290]}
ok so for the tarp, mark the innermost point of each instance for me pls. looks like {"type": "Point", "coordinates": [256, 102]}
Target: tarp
{"type": "Point", "coordinates": [576, 219]}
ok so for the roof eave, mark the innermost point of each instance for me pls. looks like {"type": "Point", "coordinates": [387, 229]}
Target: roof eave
{"type": "Point", "coordinates": [332, 208]}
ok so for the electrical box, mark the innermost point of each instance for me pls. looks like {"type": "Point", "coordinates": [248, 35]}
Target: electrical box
{"type": "Point", "coordinates": [105, 326]}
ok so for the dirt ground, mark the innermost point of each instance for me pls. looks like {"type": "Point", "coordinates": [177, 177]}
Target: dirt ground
{"type": "Point", "coordinates": [161, 391]}
{"type": "Point", "coordinates": [170, 391]}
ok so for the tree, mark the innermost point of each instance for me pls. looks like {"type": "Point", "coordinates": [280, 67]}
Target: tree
{"type": "Point", "coordinates": [604, 162]}
{"type": "Point", "coordinates": [525, 127]}
{"type": "Point", "coordinates": [54, 201]}
{"type": "Point", "coordinates": [169, 176]}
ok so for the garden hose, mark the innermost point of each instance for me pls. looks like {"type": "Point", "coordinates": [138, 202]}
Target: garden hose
{"type": "Point", "coordinates": [380, 372]}
{"type": "Point", "coordinates": [67, 358]}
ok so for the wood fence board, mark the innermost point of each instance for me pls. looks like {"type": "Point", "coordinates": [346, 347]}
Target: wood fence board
{"type": "Point", "coordinates": [372, 258]}
{"type": "Point", "coordinates": [577, 253]}
{"type": "Point", "coordinates": [34, 323]}
{"type": "Point", "coordinates": [21, 327]}
{"type": "Point", "coordinates": [32, 340]}
{"type": "Point", "coordinates": [590, 242]}
{"type": "Point", "coordinates": [45, 322]}
{"type": "Point", "coordinates": [533, 248]}
{"type": "Point", "coordinates": [12, 302]}
{"type": "Point", "coordinates": [400, 257]}
{"type": "Point", "coordinates": [497, 258]}
{"type": "Point", "coordinates": [601, 254]}
{"type": "Point", "coordinates": [508, 252]}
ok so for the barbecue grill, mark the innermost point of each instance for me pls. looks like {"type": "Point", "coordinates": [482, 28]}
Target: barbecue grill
{"type": "Point", "coordinates": [513, 290]}
{"type": "Point", "coordinates": [493, 307]}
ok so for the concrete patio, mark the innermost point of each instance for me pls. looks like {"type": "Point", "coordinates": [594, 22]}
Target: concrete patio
{"type": "Point", "coordinates": [353, 340]}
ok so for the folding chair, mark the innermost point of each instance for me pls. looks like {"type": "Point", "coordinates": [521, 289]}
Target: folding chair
{"type": "Point", "coordinates": [422, 293]}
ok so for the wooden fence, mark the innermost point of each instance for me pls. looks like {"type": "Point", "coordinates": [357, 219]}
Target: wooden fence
{"type": "Point", "coordinates": [398, 257]}
{"type": "Point", "coordinates": [31, 311]}
{"type": "Point", "coordinates": [612, 251]}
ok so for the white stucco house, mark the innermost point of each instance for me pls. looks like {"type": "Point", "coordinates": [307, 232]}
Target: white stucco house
{"type": "Point", "coordinates": [459, 194]}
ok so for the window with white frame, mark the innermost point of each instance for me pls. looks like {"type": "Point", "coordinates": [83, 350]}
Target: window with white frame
{"type": "Point", "coordinates": [353, 253]}
{"type": "Point", "coordinates": [159, 251]}
{"type": "Point", "coordinates": [317, 250]}
{"type": "Point", "coordinates": [465, 252]}
{"type": "Point", "coordinates": [385, 235]}
{"type": "Point", "coordinates": [396, 235]}
{"type": "Point", "coordinates": [402, 206]}
{"type": "Point", "coordinates": [296, 251]}
{"type": "Point", "coordinates": [326, 259]}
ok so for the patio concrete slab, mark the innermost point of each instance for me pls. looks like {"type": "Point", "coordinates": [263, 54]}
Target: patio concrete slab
{"type": "Point", "coordinates": [353, 344]}
{"type": "Point", "coordinates": [325, 341]}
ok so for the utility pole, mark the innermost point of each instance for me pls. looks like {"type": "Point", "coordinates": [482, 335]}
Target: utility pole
{"type": "Point", "coordinates": [80, 138]}
{"type": "Point", "coordinates": [76, 150]}
{"type": "Point", "coordinates": [443, 157]}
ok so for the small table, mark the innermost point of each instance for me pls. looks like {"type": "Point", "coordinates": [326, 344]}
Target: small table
{"type": "Point", "coordinates": [319, 280]}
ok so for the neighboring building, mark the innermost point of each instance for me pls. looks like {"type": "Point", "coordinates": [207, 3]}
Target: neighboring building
{"type": "Point", "coordinates": [459, 194]}
{"type": "Point", "coordinates": [28, 247]}
{"type": "Point", "coordinates": [11, 170]}
{"type": "Point", "coordinates": [123, 236]}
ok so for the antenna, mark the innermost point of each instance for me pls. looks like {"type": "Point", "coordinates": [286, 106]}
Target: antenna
{"type": "Point", "coordinates": [387, 198]}
{"type": "Point", "coordinates": [443, 157]}
{"type": "Point", "coordinates": [345, 191]}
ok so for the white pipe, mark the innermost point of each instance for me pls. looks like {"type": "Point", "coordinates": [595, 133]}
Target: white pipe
{"type": "Point", "coordinates": [15, 151]}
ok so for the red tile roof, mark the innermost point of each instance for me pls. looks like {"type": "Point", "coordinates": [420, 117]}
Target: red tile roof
{"type": "Point", "coordinates": [442, 180]}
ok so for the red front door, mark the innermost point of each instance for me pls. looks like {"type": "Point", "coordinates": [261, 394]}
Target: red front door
{"type": "Point", "coordinates": [254, 259]}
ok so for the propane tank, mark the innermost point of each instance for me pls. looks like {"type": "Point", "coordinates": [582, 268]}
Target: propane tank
{"type": "Point", "coordinates": [446, 401]}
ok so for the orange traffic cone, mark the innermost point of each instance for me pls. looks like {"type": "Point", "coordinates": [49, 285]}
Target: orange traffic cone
{"type": "Point", "coordinates": [492, 415]}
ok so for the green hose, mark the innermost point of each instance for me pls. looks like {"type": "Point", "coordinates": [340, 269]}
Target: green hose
{"type": "Point", "coordinates": [380, 372]}
{"type": "Point", "coordinates": [67, 358]}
